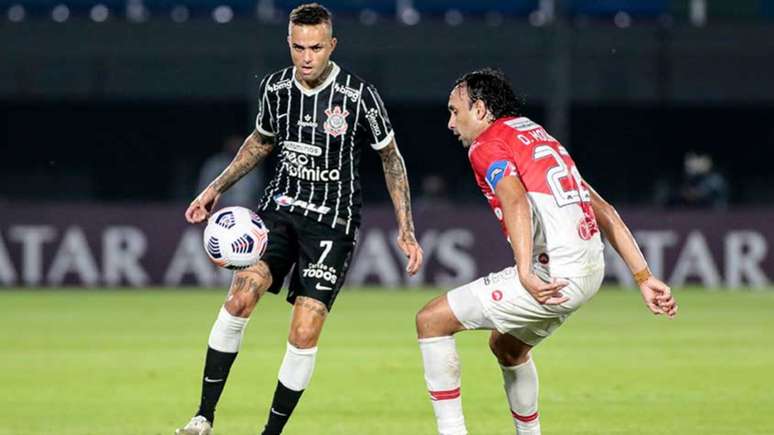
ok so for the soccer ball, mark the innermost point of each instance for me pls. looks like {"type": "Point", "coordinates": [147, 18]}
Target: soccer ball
{"type": "Point", "coordinates": [235, 238]}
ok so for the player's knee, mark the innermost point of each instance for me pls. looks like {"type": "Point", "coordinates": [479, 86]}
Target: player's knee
{"type": "Point", "coordinates": [246, 289]}
{"type": "Point", "coordinates": [493, 346]}
{"type": "Point", "coordinates": [424, 320]}
{"type": "Point", "coordinates": [436, 319]}
{"type": "Point", "coordinates": [239, 305]}
{"type": "Point", "coordinates": [504, 357]}
{"type": "Point", "coordinates": [507, 354]}
{"type": "Point", "coordinates": [304, 336]}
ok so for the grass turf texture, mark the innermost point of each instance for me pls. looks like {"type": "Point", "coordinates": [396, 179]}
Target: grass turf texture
{"type": "Point", "coordinates": [129, 363]}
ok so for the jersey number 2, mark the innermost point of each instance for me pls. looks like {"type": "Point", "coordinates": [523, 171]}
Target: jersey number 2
{"type": "Point", "coordinates": [556, 173]}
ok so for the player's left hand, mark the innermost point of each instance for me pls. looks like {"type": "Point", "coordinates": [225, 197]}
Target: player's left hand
{"type": "Point", "coordinates": [410, 247]}
{"type": "Point", "coordinates": [546, 293]}
{"type": "Point", "coordinates": [658, 297]}
{"type": "Point", "coordinates": [201, 207]}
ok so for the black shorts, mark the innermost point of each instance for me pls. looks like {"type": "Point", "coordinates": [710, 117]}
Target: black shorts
{"type": "Point", "coordinates": [318, 255]}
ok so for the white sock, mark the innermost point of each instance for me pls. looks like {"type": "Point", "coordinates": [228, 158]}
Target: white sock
{"type": "Point", "coordinates": [521, 387]}
{"type": "Point", "coordinates": [297, 367]}
{"type": "Point", "coordinates": [226, 334]}
{"type": "Point", "coordinates": [442, 375]}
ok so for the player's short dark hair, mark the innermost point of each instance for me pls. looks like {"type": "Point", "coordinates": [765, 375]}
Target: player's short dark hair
{"type": "Point", "coordinates": [310, 14]}
{"type": "Point", "coordinates": [492, 87]}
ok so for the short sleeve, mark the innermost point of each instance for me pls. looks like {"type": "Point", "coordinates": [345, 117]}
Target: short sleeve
{"type": "Point", "coordinates": [492, 162]}
{"type": "Point", "coordinates": [263, 121]}
{"type": "Point", "coordinates": [377, 121]}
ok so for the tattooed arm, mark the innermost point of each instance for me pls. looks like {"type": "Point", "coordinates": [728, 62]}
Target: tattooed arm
{"type": "Point", "coordinates": [398, 186]}
{"type": "Point", "coordinates": [254, 150]}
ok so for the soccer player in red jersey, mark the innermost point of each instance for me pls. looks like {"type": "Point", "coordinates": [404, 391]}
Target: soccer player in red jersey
{"type": "Point", "coordinates": [552, 219]}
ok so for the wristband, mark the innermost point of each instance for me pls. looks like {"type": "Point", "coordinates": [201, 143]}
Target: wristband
{"type": "Point", "coordinates": [642, 275]}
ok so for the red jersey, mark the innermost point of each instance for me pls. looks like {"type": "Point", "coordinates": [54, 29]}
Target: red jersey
{"type": "Point", "coordinates": [566, 238]}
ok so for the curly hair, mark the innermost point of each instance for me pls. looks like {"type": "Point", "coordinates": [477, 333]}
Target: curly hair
{"type": "Point", "coordinates": [492, 87]}
{"type": "Point", "coordinates": [310, 14]}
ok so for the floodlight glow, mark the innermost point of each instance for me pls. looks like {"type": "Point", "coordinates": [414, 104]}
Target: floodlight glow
{"type": "Point", "coordinates": [99, 13]}
{"type": "Point", "coordinates": [222, 14]}
{"type": "Point", "coordinates": [16, 13]}
{"type": "Point", "coordinates": [180, 14]}
{"type": "Point", "coordinates": [60, 13]}
{"type": "Point", "coordinates": [453, 17]}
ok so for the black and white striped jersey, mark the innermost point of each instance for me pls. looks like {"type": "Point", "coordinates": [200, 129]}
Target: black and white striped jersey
{"type": "Point", "coordinates": [319, 135]}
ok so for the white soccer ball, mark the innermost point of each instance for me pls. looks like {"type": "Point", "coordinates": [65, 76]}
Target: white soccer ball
{"type": "Point", "coordinates": [235, 238]}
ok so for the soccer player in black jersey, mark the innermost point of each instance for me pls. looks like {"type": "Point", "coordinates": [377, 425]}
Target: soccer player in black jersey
{"type": "Point", "coordinates": [318, 117]}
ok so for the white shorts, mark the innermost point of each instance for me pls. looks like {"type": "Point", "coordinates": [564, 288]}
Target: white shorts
{"type": "Point", "coordinates": [500, 302]}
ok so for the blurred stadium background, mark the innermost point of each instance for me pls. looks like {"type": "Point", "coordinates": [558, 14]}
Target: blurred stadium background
{"type": "Point", "coordinates": [111, 111]}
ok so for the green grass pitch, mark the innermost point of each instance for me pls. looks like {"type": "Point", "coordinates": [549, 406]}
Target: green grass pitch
{"type": "Point", "coordinates": [129, 363]}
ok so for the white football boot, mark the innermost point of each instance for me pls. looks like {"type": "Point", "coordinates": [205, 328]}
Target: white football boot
{"type": "Point", "coordinates": [197, 426]}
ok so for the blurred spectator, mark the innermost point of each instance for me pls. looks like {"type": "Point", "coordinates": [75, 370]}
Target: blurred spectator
{"type": "Point", "coordinates": [702, 186]}
{"type": "Point", "coordinates": [246, 191]}
{"type": "Point", "coordinates": [434, 192]}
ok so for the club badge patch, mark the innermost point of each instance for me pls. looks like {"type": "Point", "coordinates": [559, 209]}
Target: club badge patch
{"type": "Point", "coordinates": [336, 124]}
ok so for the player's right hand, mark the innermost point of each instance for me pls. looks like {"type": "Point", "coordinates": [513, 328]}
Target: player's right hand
{"type": "Point", "coordinates": [658, 297]}
{"type": "Point", "coordinates": [201, 207]}
{"type": "Point", "coordinates": [547, 293]}
{"type": "Point", "coordinates": [407, 243]}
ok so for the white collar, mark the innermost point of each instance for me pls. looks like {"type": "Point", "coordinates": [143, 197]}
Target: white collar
{"type": "Point", "coordinates": [310, 92]}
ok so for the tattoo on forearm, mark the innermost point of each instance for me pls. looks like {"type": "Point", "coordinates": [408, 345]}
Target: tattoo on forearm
{"type": "Point", "coordinates": [398, 186]}
{"type": "Point", "coordinates": [255, 148]}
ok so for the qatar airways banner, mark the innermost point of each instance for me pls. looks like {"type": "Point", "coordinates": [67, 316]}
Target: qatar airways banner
{"type": "Point", "coordinates": [151, 245]}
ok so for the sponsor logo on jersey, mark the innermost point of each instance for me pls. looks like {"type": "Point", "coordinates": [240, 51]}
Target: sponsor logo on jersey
{"type": "Point", "coordinates": [373, 120]}
{"type": "Point", "coordinates": [303, 148]}
{"type": "Point", "coordinates": [293, 158]}
{"type": "Point", "coordinates": [311, 174]}
{"type": "Point", "coordinates": [307, 122]}
{"type": "Point", "coordinates": [288, 201]}
{"type": "Point", "coordinates": [353, 94]}
{"type": "Point", "coordinates": [336, 124]}
{"type": "Point", "coordinates": [497, 295]}
{"type": "Point", "coordinates": [283, 84]}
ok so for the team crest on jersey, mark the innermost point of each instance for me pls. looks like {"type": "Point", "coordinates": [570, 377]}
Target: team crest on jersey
{"type": "Point", "coordinates": [587, 226]}
{"type": "Point", "coordinates": [336, 124]}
